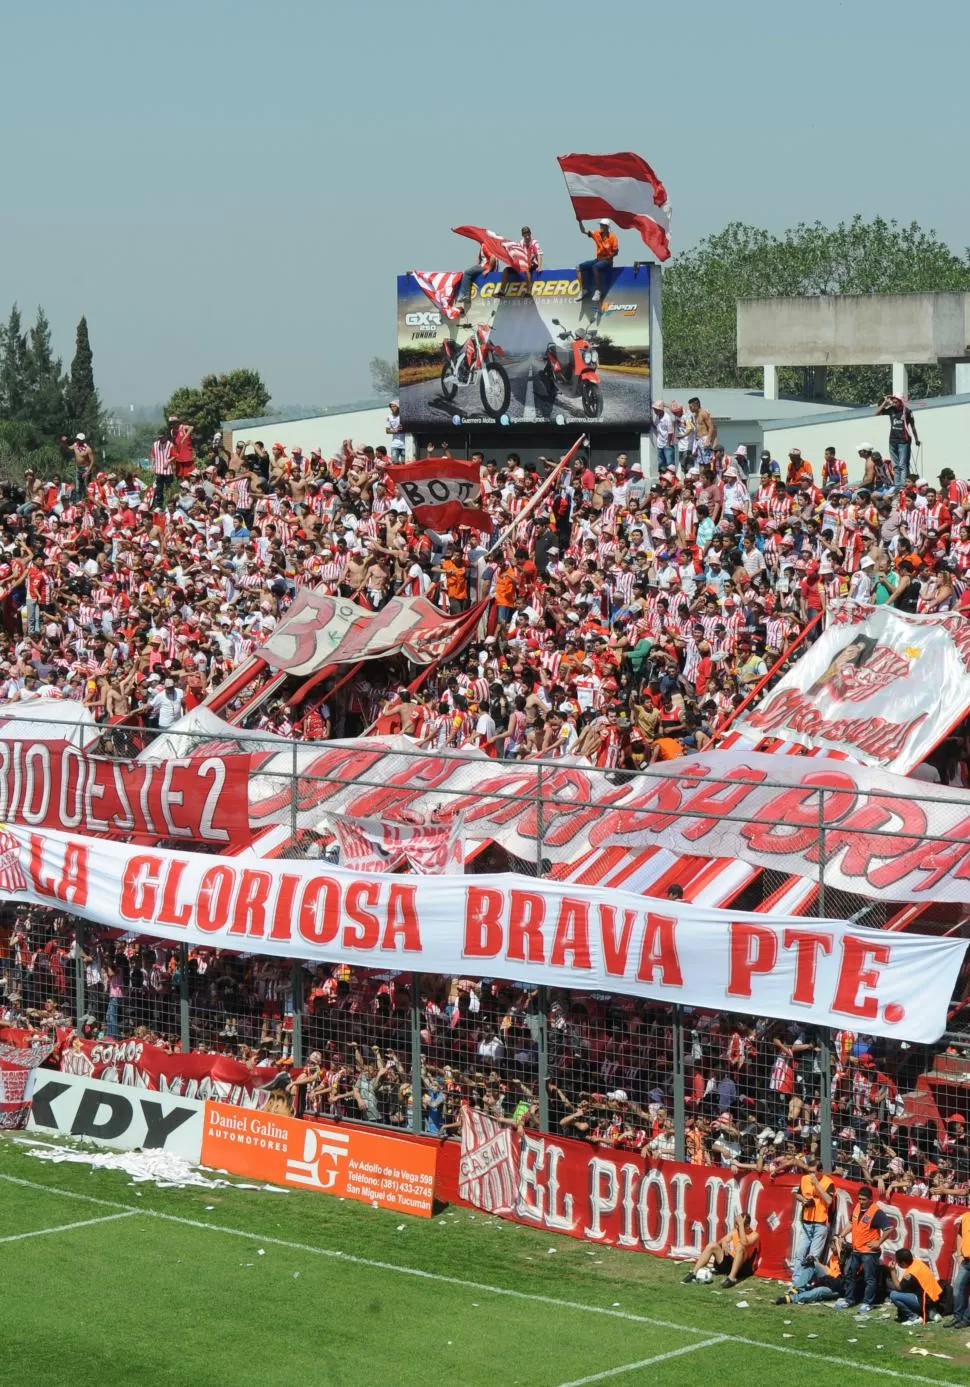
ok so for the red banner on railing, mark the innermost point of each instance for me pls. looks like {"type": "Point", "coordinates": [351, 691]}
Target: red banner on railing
{"type": "Point", "coordinates": [665, 1208]}
{"type": "Point", "coordinates": [137, 1064]}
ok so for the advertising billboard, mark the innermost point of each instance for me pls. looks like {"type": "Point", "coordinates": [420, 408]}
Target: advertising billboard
{"type": "Point", "coordinates": [549, 357]}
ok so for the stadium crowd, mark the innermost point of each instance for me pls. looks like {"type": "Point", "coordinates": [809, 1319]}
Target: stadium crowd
{"type": "Point", "coordinates": [632, 616]}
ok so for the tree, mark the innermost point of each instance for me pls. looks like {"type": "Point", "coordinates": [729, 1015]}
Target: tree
{"type": "Point", "coordinates": [384, 377]}
{"type": "Point", "coordinates": [45, 407]}
{"type": "Point", "coordinates": [702, 287]}
{"type": "Point", "coordinates": [13, 368]}
{"type": "Point", "coordinates": [82, 400]}
{"type": "Point", "coordinates": [238, 394]}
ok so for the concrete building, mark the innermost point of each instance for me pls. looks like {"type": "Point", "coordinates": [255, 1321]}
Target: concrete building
{"type": "Point", "coordinates": [897, 330]}
{"type": "Point", "coordinates": [362, 422]}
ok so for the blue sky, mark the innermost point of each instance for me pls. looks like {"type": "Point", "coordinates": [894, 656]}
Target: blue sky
{"type": "Point", "coordinates": [220, 184]}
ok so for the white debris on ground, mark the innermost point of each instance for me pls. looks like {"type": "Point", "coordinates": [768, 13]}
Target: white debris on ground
{"type": "Point", "coordinates": [161, 1168]}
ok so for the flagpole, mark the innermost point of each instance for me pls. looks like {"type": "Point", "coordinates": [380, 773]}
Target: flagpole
{"type": "Point", "coordinates": [542, 492]}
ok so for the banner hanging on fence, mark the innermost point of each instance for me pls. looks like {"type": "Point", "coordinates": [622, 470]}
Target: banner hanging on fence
{"type": "Point", "coordinates": [876, 834]}
{"type": "Point", "coordinates": [52, 784]}
{"type": "Point", "coordinates": [880, 685]}
{"type": "Point", "coordinates": [137, 1064]}
{"type": "Point", "coordinates": [824, 972]}
{"type": "Point", "coordinates": [17, 1063]}
{"type": "Point", "coordinates": [668, 1209]}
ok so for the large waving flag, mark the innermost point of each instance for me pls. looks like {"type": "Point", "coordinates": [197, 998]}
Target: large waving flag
{"type": "Point", "coordinates": [623, 187]}
{"type": "Point", "coordinates": [442, 492]}
{"type": "Point", "coordinates": [511, 252]}
{"type": "Point", "coordinates": [441, 286]}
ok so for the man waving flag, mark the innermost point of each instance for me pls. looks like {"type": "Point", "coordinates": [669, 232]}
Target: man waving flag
{"type": "Point", "coordinates": [512, 253]}
{"type": "Point", "coordinates": [623, 187]}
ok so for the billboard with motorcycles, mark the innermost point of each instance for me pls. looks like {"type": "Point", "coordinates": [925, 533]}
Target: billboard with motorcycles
{"type": "Point", "coordinates": [555, 356]}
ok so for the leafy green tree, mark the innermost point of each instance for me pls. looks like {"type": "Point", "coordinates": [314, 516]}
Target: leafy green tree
{"type": "Point", "coordinates": [82, 399]}
{"type": "Point", "coordinates": [383, 375]}
{"type": "Point", "coordinates": [13, 367]}
{"type": "Point", "coordinates": [238, 394]}
{"type": "Point", "coordinates": [46, 407]}
{"type": "Point", "coordinates": [702, 287]}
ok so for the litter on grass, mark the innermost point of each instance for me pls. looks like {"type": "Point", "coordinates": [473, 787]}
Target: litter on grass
{"type": "Point", "coordinates": [160, 1168]}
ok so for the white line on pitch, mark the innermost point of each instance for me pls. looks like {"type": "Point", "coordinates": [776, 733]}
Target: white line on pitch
{"type": "Point", "coordinates": [532, 1296]}
{"type": "Point", "coordinates": [643, 1362]}
{"type": "Point", "coordinates": [67, 1227]}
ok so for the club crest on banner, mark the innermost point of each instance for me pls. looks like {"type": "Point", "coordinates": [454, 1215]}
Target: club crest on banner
{"type": "Point", "coordinates": [13, 879]}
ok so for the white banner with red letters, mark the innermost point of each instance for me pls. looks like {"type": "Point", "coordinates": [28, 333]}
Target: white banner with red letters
{"type": "Point", "coordinates": [875, 834]}
{"type": "Point", "coordinates": [824, 972]}
{"type": "Point", "coordinates": [880, 685]}
{"type": "Point", "coordinates": [663, 1207]}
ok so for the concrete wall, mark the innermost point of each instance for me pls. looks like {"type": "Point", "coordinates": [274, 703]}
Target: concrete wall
{"type": "Point", "coordinates": [853, 330]}
{"type": "Point", "coordinates": [944, 431]}
{"type": "Point", "coordinates": [326, 433]}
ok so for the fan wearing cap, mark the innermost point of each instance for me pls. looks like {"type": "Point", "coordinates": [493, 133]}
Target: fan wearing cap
{"type": "Point", "coordinates": [607, 249]}
{"type": "Point", "coordinates": [665, 436]}
{"type": "Point", "coordinates": [799, 470]}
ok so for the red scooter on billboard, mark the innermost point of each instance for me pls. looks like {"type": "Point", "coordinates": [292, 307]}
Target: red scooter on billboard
{"type": "Point", "coordinates": [578, 374]}
{"type": "Point", "coordinates": [477, 360]}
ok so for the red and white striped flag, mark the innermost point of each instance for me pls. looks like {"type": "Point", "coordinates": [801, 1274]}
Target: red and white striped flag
{"type": "Point", "coordinates": [511, 252]}
{"type": "Point", "coordinates": [488, 1175]}
{"type": "Point", "coordinates": [372, 845]}
{"type": "Point", "coordinates": [441, 286]}
{"type": "Point", "coordinates": [623, 187]}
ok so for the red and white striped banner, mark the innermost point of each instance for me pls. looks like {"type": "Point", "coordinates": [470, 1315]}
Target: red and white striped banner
{"type": "Point", "coordinates": [373, 845]}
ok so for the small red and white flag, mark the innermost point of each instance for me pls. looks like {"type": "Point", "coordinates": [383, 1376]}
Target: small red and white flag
{"type": "Point", "coordinates": [441, 286]}
{"type": "Point", "coordinates": [443, 493]}
{"type": "Point", "coordinates": [624, 188]}
{"type": "Point", "coordinates": [373, 845]}
{"type": "Point", "coordinates": [488, 1173]}
{"type": "Point", "coordinates": [511, 253]}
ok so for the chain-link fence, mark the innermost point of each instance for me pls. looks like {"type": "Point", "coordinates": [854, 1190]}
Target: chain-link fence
{"type": "Point", "coordinates": [404, 1050]}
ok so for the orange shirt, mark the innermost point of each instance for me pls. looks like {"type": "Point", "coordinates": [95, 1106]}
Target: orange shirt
{"type": "Point", "coordinates": [668, 748]}
{"type": "Point", "coordinates": [607, 246]}
{"type": "Point", "coordinates": [456, 580]}
{"type": "Point", "coordinates": [506, 587]}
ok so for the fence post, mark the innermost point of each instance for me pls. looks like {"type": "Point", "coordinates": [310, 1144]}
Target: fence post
{"type": "Point", "coordinates": [293, 790]}
{"type": "Point", "coordinates": [184, 1033]}
{"type": "Point", "coordinates": [680, 1078]}
{"type": "Point", "coordinates": [824, 1049]}
{"type": "Point", "coordinates": [820, 912]}
{"type": "Point", "coordinates": [296, 988]}
{"type": "Point", "coordinates": [542, 998]}
{"type": "Point", "coordinates": [417, 1087]}
{"type": "Point", "coordinates": [80, 1005]}
{"type": "Point", "coordinates": [825, 1101]}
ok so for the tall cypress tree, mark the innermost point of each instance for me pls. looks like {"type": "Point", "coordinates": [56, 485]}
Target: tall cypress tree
{"type": "Point", "coordinates": [46, 407]}
{"type": "Point", "coordinates": [83, 402]}
{"type": "Point", "coordinates": [13, 368]}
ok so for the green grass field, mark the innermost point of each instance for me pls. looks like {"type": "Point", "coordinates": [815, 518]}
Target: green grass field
{"type": "Point", "coordinates": [105, 1282]}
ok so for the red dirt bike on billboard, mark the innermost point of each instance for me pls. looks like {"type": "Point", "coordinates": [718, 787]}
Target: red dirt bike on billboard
{"type": "Point", "coordinates": [578, 375]}
{"type": "Point", "coordinates": [477, 360]}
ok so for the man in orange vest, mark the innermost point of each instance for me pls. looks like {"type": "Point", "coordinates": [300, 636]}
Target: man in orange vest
{"type": "Point", "coordinates": [815, 1197]}
{"type": "Point", "coordinates": [916, 1292]}
{"type": "Point", "coordinates": [868, 1229]}
{"type": "Point", "coordinates": [961, 1278]}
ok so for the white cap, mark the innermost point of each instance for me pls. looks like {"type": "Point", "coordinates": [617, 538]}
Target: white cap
{"type": "Point", "coordinates": [618, 1095]}
{"type": "Point", "coordinates": [867, 562]}
{"type": "Point", "coordinates": [604, 221]}
{"type": "Point", "coordinates": [740, 451]}
{"type": "Point", "coordinates": [79, 438]}
{"type": "Point", "coordinates": [864, 448]}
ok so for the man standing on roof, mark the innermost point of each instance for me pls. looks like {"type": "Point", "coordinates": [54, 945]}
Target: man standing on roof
{"type": "Point", "coordinates": [394, 428]}
{"type": "Point", "coordinates": [902, 435]}
{"type": "Point", "coordinates": [705, 432]}
{"type": "Point", "coordinates": [485, 265]}
{"type": "Point", "coordinates": [607, 249]}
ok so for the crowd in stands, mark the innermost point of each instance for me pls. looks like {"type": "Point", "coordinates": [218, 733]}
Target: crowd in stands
{"type": "Point", "coordinates": [632, 616]}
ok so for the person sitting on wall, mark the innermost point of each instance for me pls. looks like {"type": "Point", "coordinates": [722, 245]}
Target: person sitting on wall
{"type": "Point", "coordinates": [607, 249]}
{"type": "Point", "coordinates": [533, 263]}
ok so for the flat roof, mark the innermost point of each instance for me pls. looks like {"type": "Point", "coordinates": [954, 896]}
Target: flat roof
{"type": "Point", "coordinates": [358, 407]}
